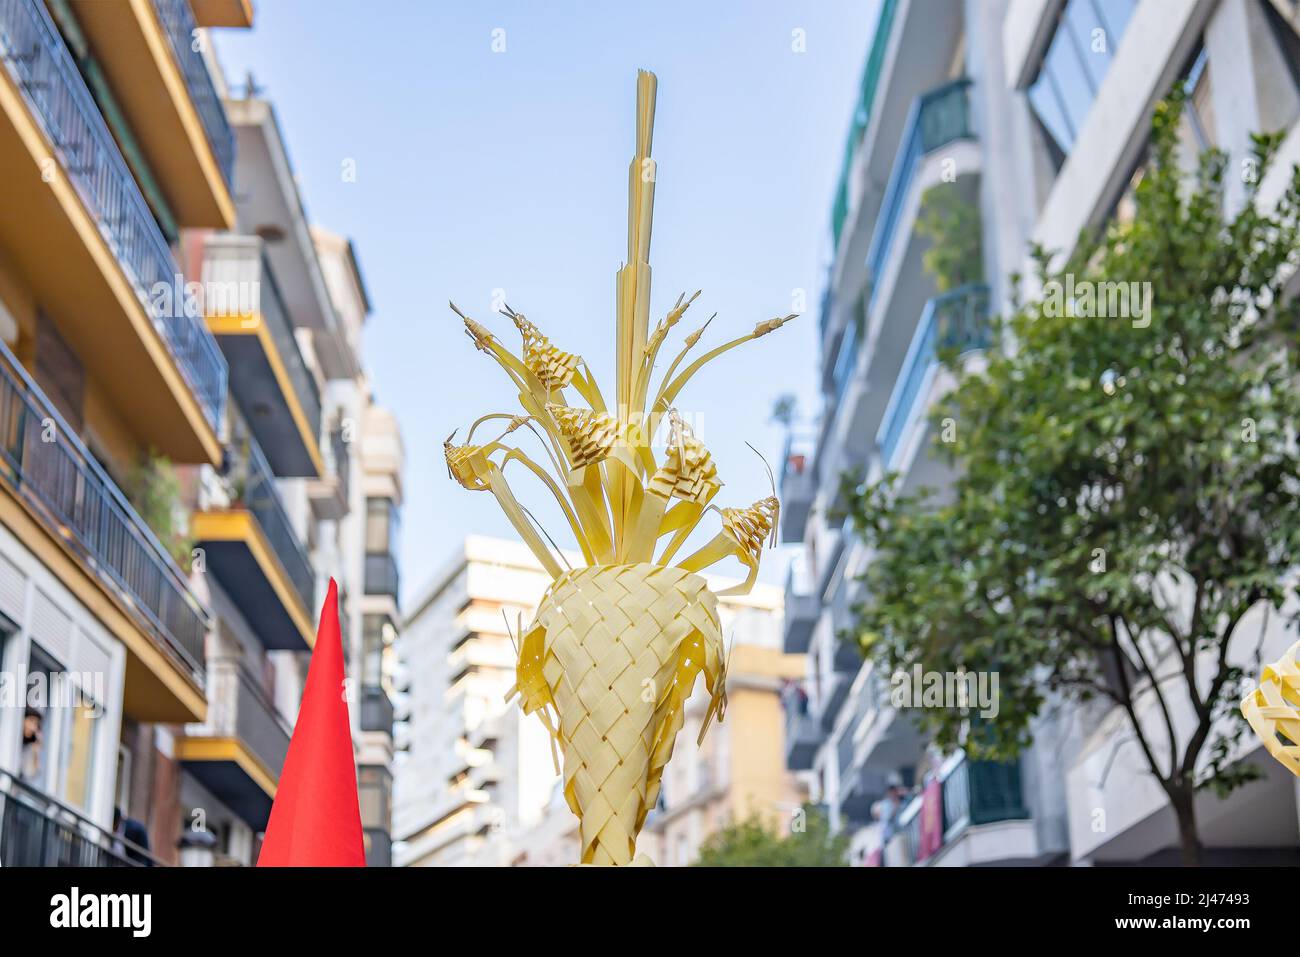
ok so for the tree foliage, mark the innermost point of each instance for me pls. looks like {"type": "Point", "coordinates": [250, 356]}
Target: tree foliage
{"type": "Point", "coordinates": [1127, 487]}
{"type": "Point", "coordinates": [753, 842]}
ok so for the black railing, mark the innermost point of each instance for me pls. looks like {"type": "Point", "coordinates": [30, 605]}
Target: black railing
{"type": "Point", "coordinates": [238, 280]}
{"type": "Point", "coordinates": [259, 725]}
{"type": "Point", "coordinates": [261, 497]}
{"type": "Point", "coordinates": [37, 830]}
{"type": "Point", "coordinates": [958, 319]}
{"type": "Point", "coordinates": [340, 461]}
{"type": "Point", "coordinates": [178, 23]}
{"type": "Point", "coordinates": [45, 463]}
{"type": "Point", "coordinates": [381, 574]}
{"type": "Point", "coordinates": [376, 710]}
{"type": "Point", "coordinates": [41, 66]}
{"type": "Point", "coordinates": [938, 118]}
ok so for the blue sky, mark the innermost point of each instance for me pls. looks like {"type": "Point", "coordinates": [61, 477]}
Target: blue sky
{"type": "Point", "coordinates": [479, 171]}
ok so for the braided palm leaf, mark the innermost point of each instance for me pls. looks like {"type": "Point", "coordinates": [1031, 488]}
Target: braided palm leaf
{"type": "Point", "coordinates": [617, 645]}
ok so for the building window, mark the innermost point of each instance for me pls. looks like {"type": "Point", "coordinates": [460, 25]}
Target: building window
{"type": "Point", "coordinates": [377, 635]}
{"type": "Point", "coordinates": [1077, 59]}
{"type": "Point", "coordinates": [60, 722]}
{"type": "Point", "coordinates": [382, 526]}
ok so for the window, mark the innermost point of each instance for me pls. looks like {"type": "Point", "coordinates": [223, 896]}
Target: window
{"type": "Point", "coordinates": [382, 526]}
{"type": "Point", "coordinates": [377, 634]}
{"type": "Point", "coordinates": [60, 722]}
{"type": "Point", "coordinates": [1077, 59]}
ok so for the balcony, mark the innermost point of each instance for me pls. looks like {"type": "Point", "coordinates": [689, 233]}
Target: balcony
{"type": "Point", "coordinates": [956, 320]}
{"type": "Point", "coordinates": [160, 85]}
{"type": "Point", "coordinates": [268, 376]}
{"type": "Point", "coordinates": [984, 819]}
{"type": "Point", "coordinates": [381, 574]}
{"type": "Point", "coordinates": [862, 114]}
{"type": "Point", "coordinates": [330, 495]}
{"type": "Point", "coordinates": [803, 735]}
{"type": "Point", "coordinates": [833, 689]}
{"type": "Point", "coordinates": [61, 488]}
{"type": "Point", "coordinates": [223, 13]}
{"type": "Point", "coordinates": [802, 608]}
{"type": "Point", "coordinates": [38, 831]}
{"type": "Point", "coordinates": [938, 118]}
{"type": "Point", "coordinates": [798, 485]}
{"type": "Point", "coordinates": [376, 710]}
{"type": "Point", "coordinates": [251, 548]}
{"type": "Point", "coordinates": [239, 754]}
{"type": "Point", "coordinates": [99, 262]}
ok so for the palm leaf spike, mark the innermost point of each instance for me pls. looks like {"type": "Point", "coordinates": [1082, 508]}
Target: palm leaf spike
{"type": "Point", "coordinates": [619, 502]}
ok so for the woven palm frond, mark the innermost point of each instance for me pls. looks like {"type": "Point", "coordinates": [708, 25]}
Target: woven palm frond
{"type": "Point", "coordinates": [689, 471]}
{"type": "Point", "coordinates": [752, 527]}
{"type": "Point", "coordinates": [553, 367]}
{"type": "Point", "coordinates": [591, 436]}
{"type": "Point", "coordinates": [1273, 710]}
{"type": "Point", "coordinates": [617, 645]}
{"type": "Point", "coordinates": [467, 464]}
{"type": "Point", "coordinates": [615, 651]}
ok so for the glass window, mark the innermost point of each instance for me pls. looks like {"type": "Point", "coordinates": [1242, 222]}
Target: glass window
{"type": "Point", "coordinates": [381, 526]}
{"type": "Point", "coordinates": [1080, 53]}
{"type": "Point", "coordinates": [1091, 40]}
{"type": "Point", "coordinates": [60, 722]}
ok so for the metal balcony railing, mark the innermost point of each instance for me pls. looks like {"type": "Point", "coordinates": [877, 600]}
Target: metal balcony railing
{"type": "Point", "coordinates": [339, 461]}
{"type": "Point", "coordinates": [41, 66]}
{"type": "Point", "coordinates": [44, 463]}
{"type": "Point", "coordinates": [178, 23]}
{"type": "Point", "coordinates": [938, 118]}
{"type": "Point", "coordinates": [981, 792]}
{"type": "Point", "coordinates": [381, 574]}
{"type": "Point", "coordinates": [957, 319]}
{"type": "Point", "coordinates": [37, 830]}
{"type": "Point", "coordinates": [259, 725]}
{"type": "Point", "coordinates": [862, 114]}
{"type": "Point", "coordinates": [261, 497]}
{"type": "Point", "coordinates": [972, 793]}
{"type": "Point", "coordinates": [376, 710]}
{"type": "Point", "coordinates": [803, 735]}
{"type": "Point", "coordinates": [237, 280]}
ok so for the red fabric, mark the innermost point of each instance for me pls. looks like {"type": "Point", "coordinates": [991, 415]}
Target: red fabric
{"type": "Point", "coordinates": [931, 819]}
{"type": "Point", "coordinates": [316, 818]}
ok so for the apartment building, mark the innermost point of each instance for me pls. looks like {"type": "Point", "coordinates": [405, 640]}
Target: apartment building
{"type": "Point", "coordinates": [114, 143]}
{"type": "Point", "coordinates": [310, 460]}
{"type": "Point", "coordinates": [198, 471]}
{"type": "Point", "coordinates": [1033, 115]}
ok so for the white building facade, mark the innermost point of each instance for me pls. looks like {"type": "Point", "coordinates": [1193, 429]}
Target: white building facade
{"type": "Point", "coordinates": [1037, 115]}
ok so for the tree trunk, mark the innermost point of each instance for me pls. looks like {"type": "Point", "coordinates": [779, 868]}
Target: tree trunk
{"type": "Point", "coordinates": [1181, 797]}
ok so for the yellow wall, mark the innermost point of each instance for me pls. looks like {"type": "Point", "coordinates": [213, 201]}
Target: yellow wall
{"type": "Point", "coordinates": [759, 779]}
{"type": "Point", "coordinates": [105, 428]}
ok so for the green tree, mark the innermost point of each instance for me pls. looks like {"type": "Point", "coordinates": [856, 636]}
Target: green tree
{"type": "Point", "coordinates": [754, 842]}
{"type": "Point", "coordinates": [952, 224]}
{"type": "Point", "coordinates": [154, 491]}
{"type": "Point", "coordinates": [1127, 487]}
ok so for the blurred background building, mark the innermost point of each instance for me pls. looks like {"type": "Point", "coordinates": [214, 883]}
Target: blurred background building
{"type": "Point", "coordinates": [189, 447]}
{"type": "Point", "coordinates": [1035, 115]}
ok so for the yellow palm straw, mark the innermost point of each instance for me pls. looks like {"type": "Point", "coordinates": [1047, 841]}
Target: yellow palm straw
{"type": "Point", "coordinates": [616, 646]}
{"type": "Point", "coordinates": [1273, 710]}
